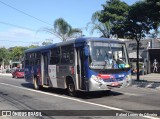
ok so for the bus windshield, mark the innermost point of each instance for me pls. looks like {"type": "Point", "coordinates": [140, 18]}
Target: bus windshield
{"type": "Point", "coordinates": [106, 55]}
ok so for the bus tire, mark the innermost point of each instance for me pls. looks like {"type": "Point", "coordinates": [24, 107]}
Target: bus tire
{"type": "Point", "coordinates": [36, 83]}
{"type": "Point", "coordinates": [71, 88]}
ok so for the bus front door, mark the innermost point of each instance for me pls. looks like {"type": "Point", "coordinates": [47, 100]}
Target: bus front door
{"type": "Point", "coordinates": [80, 68]}
{"type": "Point", "coordinates": [44, 68]}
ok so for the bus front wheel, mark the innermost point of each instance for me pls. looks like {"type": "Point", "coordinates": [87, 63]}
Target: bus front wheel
{"type": "Point", "coordinates": [71, 88]}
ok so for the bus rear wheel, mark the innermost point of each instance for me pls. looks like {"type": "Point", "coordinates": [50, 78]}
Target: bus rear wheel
{"type": "Point", "coordinates": [71, 89]}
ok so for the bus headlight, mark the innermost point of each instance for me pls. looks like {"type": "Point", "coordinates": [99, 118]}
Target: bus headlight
{"type": "Point", "coordinates": [96, 78]}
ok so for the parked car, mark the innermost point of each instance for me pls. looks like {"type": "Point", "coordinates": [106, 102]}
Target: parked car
{"type": "Point", "coordinates": [18, 73]}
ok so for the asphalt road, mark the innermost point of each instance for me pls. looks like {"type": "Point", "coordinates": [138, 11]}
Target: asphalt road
{"type": "Point", "coordinates": [16, 94]}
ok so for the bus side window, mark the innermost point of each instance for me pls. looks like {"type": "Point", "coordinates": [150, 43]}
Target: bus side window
{"type": "Point", "coordinates": [64, 59]}
{"type": "Point", "coordinates": [31, 62]}
{"type": "Point", "coordinates": [71, 55]}
{"type": "Point", "coordinates": [27, 56]}
{"type": "Point", "coordinates": [26, 62]}
{"type": "Point", "coordinates": [37, 62]}
{"type": "Point", "coordinates": [55, 56]}
{"type": "Point", "coordinates": [38, 55]}
{"type": "Point", "coordinates": [67, 56]}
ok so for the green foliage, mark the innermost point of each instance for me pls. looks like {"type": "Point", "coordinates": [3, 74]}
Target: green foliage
{"type": "Point", "coordinates": [46, 43]}
{"type": "Point", "coordinates": [63, 30]}
{"type": "Point", "coordinates": [17, 53]}
{"type": "Point", "coordinates": [138, 23]}
{"type": "Point", "coordinates": [115, 12]}
{"type": "Point", "coordinates": [103, 29]}
{"type": "Point", "coordinates": [32, 46]}
{"type": "Point", "coordinates": [134, 21]}
{"type": "Point", "coordinates": [13, 53]}
{"type": "Point", "coordinates": [153, 12]}
{"type": "Point", "coordinates": [153, 7]}
{"type": "Point", "coordinates": [62, 27]}
{"type": "Point", "coordinates": [4, 55]}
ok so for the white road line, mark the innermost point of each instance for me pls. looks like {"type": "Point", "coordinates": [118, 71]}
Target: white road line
{"type": "Point", "coordinates": [74, 99]}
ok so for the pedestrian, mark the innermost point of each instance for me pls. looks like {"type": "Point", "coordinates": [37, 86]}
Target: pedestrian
{"type": "Point", "coordinates": [155, 63]}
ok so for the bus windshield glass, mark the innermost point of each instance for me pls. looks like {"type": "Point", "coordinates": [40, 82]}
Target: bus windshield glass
{"type": "Point", "coordinates": [108, 55]}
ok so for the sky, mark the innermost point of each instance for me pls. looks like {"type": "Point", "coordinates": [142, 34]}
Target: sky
{"type": "Point", "coordinates": [22, 21]}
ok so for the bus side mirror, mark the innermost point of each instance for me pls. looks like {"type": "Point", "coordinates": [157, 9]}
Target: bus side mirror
{"type": "Point", "coordinates": [86, 51]}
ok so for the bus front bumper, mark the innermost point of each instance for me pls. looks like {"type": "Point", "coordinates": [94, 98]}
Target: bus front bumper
{"type": "Point", "coordinates": [101, 85]}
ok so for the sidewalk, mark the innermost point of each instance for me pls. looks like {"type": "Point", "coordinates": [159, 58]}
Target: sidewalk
{"type": "Point", "coordinates": [5, 74]}
{"type": "Point", "coordinates": [147, 81]}
{"type": "Point", "coordinates": [153, 77]}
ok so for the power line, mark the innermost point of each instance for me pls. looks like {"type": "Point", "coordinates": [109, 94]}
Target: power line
{"type": "Point", "coordinates": [9, 24]}
{"type": "Point", "coordinates": [25, 13]}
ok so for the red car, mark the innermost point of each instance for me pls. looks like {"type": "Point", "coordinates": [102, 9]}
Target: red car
{"type": "Point", "coordinates": [18, 73]}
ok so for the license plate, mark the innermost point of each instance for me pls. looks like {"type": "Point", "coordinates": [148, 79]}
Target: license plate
{"type": "Point", "coordinates": [115, 84]}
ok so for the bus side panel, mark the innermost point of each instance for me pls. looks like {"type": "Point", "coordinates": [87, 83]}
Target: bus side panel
{"type": "Point", "coordinates": [61, 73]}
{"type": "Point", "coordinates": [28, 74]}
{"type": "Point", "coordinates": [52, 75]}
{"type": "Point", "coordinates": [64, 71]}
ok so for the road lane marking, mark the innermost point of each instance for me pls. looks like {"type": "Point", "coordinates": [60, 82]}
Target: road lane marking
{"type": "Point", "coordinates": [74, 99]}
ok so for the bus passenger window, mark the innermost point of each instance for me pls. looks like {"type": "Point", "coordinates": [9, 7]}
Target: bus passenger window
{"type": "Point", "coordinates": [38, 55]}
{"type": "Point", "coordinates": [67, 56]}
{"type": "Point", "coordinates": [26, 62]}
{"type": "Point", "coordinates": [31, 62]}
{"type": "Point", "coordinates": [37, 62]}
{"type": "Point", "coordinates": [55, 56]}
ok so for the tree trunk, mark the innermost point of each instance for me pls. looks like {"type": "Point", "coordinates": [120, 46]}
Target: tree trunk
{"type": "Point", "coordinates": [137, 63]}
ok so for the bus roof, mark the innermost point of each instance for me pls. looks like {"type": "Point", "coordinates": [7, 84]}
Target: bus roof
{"type": "Point", "coordinates": [77, 40]}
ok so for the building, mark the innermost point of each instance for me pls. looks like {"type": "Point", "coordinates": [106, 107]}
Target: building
{"type": "Point", "coordinates": [149, 53]}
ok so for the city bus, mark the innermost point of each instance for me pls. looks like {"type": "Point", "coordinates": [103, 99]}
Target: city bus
{"type": "Point", "coordinates": [81, 64]}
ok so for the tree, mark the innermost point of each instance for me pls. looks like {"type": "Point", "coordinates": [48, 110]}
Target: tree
{"type": "Point", "coordinates": [137, 25]}
{"type": "Point", "coordinates": [115, 12]}
{"type": "Point", "coordinates": [32, 46]}
{"type": "Point", "coordinates": [153, 12]}
{"type": "Point", "coordinates": [63, 30]}
{"type": "Point", "coordinates": [4, 56]}
{"type": "Point", "coordinates": [104, 29]}
{"type": "Point", "coordinates": [17, 53]}
{"type": "Point", "coordinates": [46, 43]}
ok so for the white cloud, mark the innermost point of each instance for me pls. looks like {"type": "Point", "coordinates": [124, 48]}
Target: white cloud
{"type": "Point", "coordinates": [17, 33]}
{"type": "Point", "coordinates": [23, 37]}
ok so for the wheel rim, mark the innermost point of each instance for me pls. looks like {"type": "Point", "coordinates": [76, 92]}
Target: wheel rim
{"type": "Point", "coordinates": [71, 88]}
{"type": "Point", "coordinates": [35, 84]}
